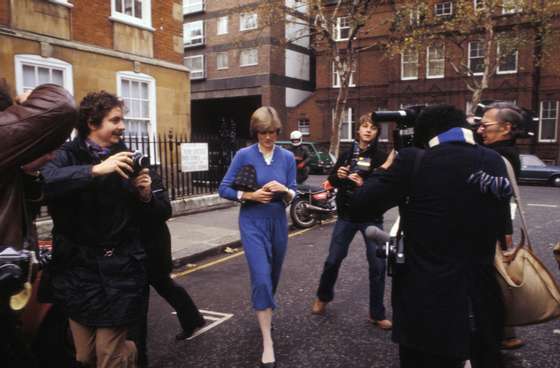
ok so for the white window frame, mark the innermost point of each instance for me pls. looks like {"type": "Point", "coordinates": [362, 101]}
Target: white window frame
{"type": "Point", "coordinates": [336, 81]}
{"type": "Point", "coordinates": [193, 6]}
{"type": "Point", "coordinates": [51, 63]}
{"type": "Point", "coordinates": [152, 126]}
{"type": "Point", "coordinates": [541, 140]}
{"type": "Point", "coordinates": [409, 62]}
{"type": "Point", "coordinates": [501, 72]}
{"type": "Point", "coordinates": [478, 57]}
{"type": "Point", "coordinates": [442, 60]}
{"type": "Point", "coordinates": [226, 54]}
{"type": "Point", "coordinates": [351, 122]}
{"type": "Point", "coordinates": [246, 50]}
{"type": "Point", "coordinates": [225, 23]}
{"type": "Point", "coordinates": [305, 130]}
{"type": "Point", "coordinates": [145, 22]}
{"type": "Point", "coordinates": [203, 76]}
{"type": "Point", "coordinates": [338, 28]}
{"type": "Point", "coordinates": [201, 37]}
{"type": "Point", "coordinates": [243, 20]}
{"type": "Point", "coordinates": [510, 7]}
{"type": "Point", "coordinates": [442, 6]}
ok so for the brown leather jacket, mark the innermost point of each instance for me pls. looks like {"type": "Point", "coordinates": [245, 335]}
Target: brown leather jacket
{"type": "Point", "coordinates": [27, 132]}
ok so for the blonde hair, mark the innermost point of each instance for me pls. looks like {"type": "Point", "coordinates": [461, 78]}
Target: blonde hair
{"type": "Point", "coordinates": [265, 119]}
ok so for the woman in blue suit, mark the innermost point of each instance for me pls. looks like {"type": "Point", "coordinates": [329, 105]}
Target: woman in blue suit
{"type": "Point", "coordinates": [262, 218]}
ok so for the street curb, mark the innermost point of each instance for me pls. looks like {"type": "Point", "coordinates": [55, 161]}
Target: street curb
{"type": "Point", "coordinates": [211, 252]}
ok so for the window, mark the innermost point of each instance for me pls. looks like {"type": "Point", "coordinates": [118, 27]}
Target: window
{"type": "Point", "coordinates": [249, 57]}
{"type": "Point", "coordinates": [34, 70]}
{"type": "Point", "coordinates": [195, 64]}
{"type": "Point", "coordinates": [445, 8]}
{"type": "Point", "coordinates": [62, 2]}
{"type": "Point", "coordinates": [193, 6]}
{"type": "Point", "coordinates": [139, 95]}
{"type": "Point", "coordinates": [511, 6]}
{"type": "Point", "coordinates": [476, 57]}
{"type": "Point", "coordinates": [222, 60]}
{"type": "Point", "coordinates": [248, 21]}
{"type": "Point", "coordinates": [478, 4]}
{"type": "Point", "coordinates": [337, 82]}
{"type": "Point", "coordinates": [346, 125]}
{"type": "Point", "coordinates": [435, 63]}
{"type": "Point", "coordinates": [507, 60]}
{"type": "Point", "coordinates": [384, 131]}
{"type": "Point", "coordinates": [132, 12]}
{"type": "Point", "coordinates": [409, 65]}
{"type": "Point", "coordinates": [342, 29]}
{"type": "Point", "coordinates": [222, 25]}
{"type": "Point", "coordinates": [548, 121]}
{"type": "Point", "coordinates": [304, 126]}
{"type": "Point", "coordinates": [193, 33]}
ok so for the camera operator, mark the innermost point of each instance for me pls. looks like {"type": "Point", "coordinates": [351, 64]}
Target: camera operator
{"type": "Point", "coordinates": [497, 130]}
{"type": "Point", "coordinates": [30, 129]}
{"type": "Point", "coordinates": [446, 301]}
{"type": "Point", "coordinates": [352, 167]}
{"type": "Point", "coordinates": [302, 156]}
{"type": "Point", "coordinates": [96, 196]}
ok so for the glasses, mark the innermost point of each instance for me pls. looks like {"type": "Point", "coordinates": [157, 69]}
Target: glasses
{"type": "Point", "coordinates": [485, 126]}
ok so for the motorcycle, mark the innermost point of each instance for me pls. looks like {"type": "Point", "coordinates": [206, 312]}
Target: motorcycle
{"type": "Point", "coordinates": [312, 205]}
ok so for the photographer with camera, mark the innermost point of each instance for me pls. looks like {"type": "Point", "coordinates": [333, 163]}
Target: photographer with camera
{"type": "Point", "coordinates": [349, 173]}
{"type": "Point", "coordinates": [30, 129]}
{"type": "Point", "coordinates": [97, 192]}
{"type": "Point", "coordinates": [447, 305]}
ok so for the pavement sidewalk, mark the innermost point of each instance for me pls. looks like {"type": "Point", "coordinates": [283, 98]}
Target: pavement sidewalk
{"type": "Point", "coordinates": [199, 235]}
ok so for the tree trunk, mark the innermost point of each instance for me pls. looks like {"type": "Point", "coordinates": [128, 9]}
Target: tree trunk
{"type": "Point", "coordinates": [337, 120]}
{"type": "Point", "coordinates": [536, 83]}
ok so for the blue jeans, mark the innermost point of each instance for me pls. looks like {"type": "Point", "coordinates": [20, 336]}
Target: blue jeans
{"type": "Point", "coordinates": [343, 234]}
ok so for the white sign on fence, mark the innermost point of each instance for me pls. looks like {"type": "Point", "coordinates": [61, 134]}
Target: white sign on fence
{"type": "Point", "coordinates": [194, 157]}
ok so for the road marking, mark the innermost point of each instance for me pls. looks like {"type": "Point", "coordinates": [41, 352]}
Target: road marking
{"type": "Point", "coordinates": [542, 205]}
{"type": "Point", "coordinates": [221, 260]}
{"type": "Point", "coordinates": [215, 318]}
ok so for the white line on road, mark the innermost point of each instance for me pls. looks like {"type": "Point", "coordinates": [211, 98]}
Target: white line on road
{"type": "Point", "coordinates": [216, 318]}
{"type": "Point", "coordinates": [542, 205]}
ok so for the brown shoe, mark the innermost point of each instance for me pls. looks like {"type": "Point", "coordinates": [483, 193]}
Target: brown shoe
{"type": "Point", "coordinates": [383, 324]}
{"type": "Point", "coordinates": [319, 307]}
{"type": "Point", "coordinates": [512, 343]}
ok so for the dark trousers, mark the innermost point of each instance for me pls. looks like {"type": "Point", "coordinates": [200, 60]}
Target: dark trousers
{"type": "Point", "coordinates": [411, 358]}
{"type": "Point", "coordinates": [187, 313]}
{"type": "Point", "coordinates": [14, 352]}
{"type": "Point", "coordinates": [343, 234]}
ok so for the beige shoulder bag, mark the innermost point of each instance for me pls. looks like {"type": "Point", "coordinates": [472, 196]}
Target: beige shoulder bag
{"type": "Point", "coordinates": [531, 295]}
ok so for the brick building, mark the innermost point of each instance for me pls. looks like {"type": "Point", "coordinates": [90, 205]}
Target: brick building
{"type": "Point", "coordinates": [380, 82]}
{"type": "Point", "coordinates": [132, 48]}
{"type": "Point", "coordinates": [238, 62]}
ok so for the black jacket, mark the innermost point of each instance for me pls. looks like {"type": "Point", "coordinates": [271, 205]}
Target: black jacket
{"type": "Point", "coordinates": [346, 187]}
{"type": "Point", "coordinates": [97, 273]}
{"type": "Point", "coordinates": [448, 262]}
{"type": "Point", "coordinates": [154, 233]}
{"type": "Point", "coordinates": [302, 155]}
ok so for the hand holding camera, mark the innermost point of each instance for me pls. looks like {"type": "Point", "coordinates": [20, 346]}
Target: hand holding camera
{"type": "Point", "coordinates": [143, 183]}
{"type": "Point", "coordinates": [121, 163]}
{"type": "Point", "coordinates": [343, 172]}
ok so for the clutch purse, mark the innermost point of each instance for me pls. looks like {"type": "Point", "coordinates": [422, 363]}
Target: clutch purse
{"type": "Point", "coordinates": [246, 179]}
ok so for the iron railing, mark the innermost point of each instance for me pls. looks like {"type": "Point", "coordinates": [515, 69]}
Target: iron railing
{"type": "Point", "coordinates": [165, 156]}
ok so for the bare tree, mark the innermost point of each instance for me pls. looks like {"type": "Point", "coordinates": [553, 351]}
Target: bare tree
{"type": "Point", "coordinates": [334, 28]}
{"type": "Point", "coordinates": [484, 35]}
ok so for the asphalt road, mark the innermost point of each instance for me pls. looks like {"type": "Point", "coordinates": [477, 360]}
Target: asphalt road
{"type": "Point", "coordinates": [342, 338]}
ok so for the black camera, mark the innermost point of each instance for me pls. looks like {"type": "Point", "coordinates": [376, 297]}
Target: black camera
{"type": "Point", "coordinates": [525, 129]}
{"type": "Point", "coordinates": [403, 135]}
{"type": "Point", "coordinates": [388, 247]}
{"type": "Point", "coordinates": [139, 162]}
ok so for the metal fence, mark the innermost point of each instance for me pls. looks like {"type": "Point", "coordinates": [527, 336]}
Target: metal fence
{"type": "Point", "coordinates": [165, 156]}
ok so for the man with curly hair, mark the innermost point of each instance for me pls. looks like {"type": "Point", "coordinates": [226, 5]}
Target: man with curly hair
{"type": "Point", "coordinates": [97, 272]}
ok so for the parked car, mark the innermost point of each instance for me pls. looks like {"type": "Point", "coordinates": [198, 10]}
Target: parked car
{"type": "Point", "coordinates": [533, 170]}
{"type": "Point", "coordinates": [321, 161]}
